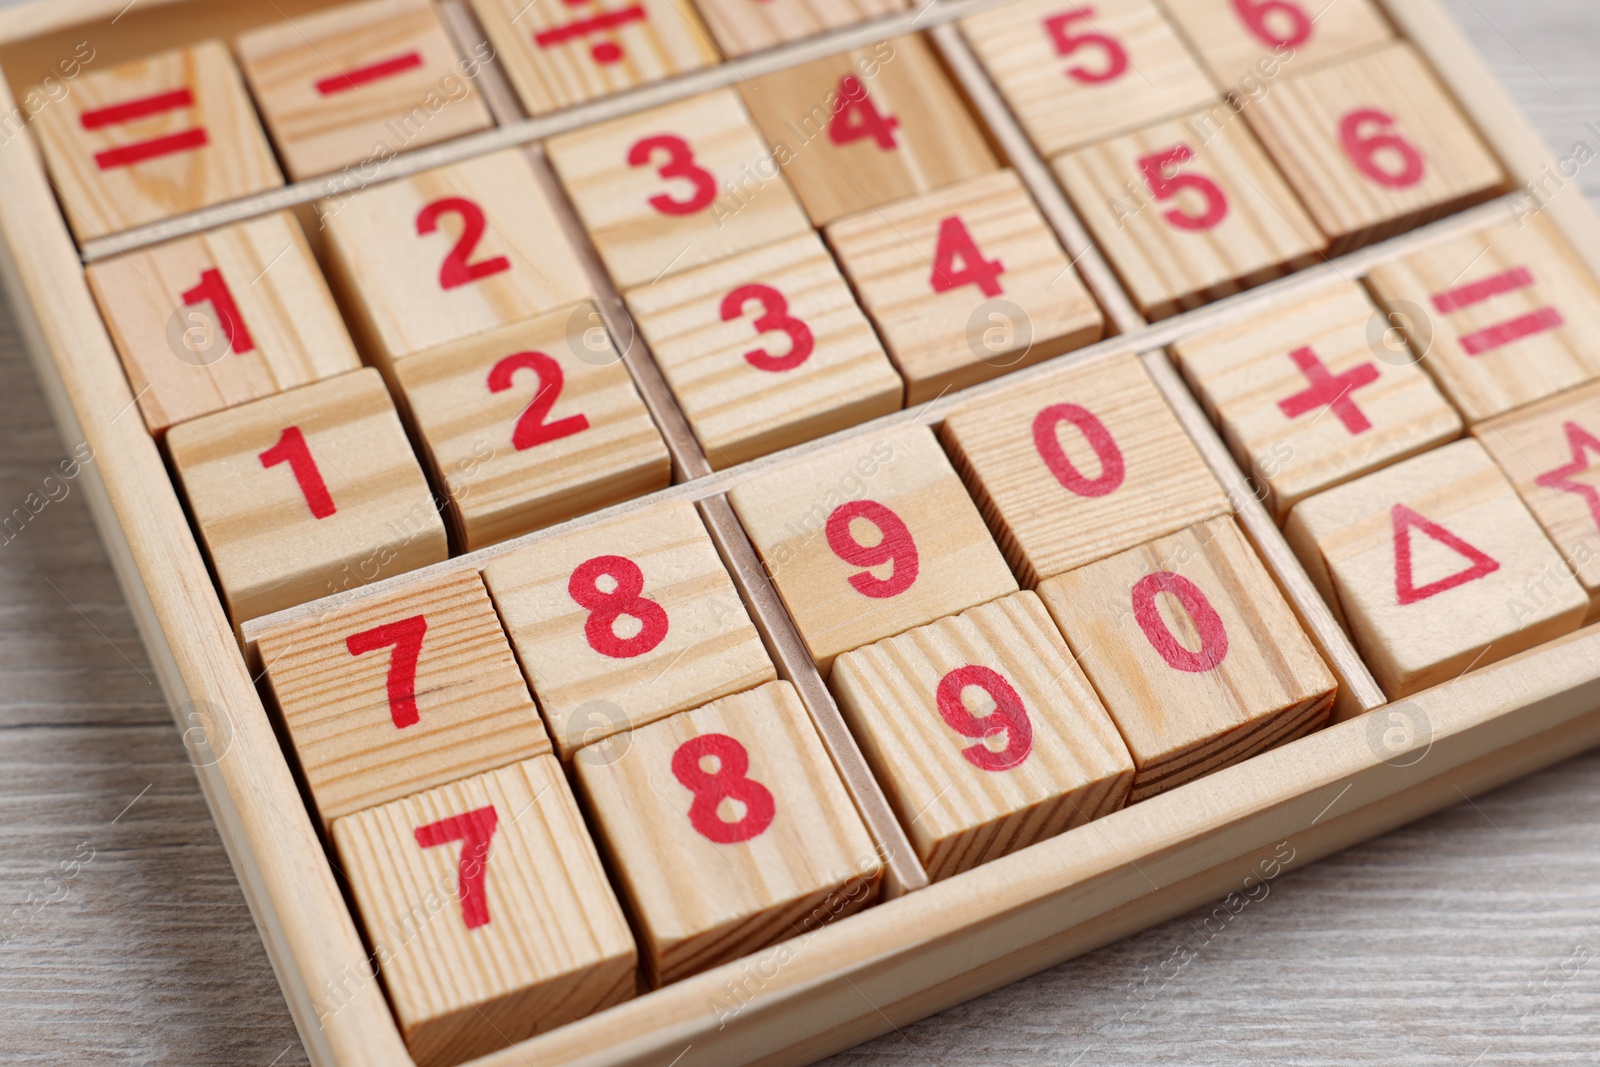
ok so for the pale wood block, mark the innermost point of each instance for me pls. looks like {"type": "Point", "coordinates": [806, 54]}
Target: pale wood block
{"type": "Point", "coordinates": [160, 136]}
{"type": "Point", "coordinates": [869, 539]}
{"type": "Point", "coordinates": [1502, 317]}
{"type": "Point", "coordinates": [1245, 43]}
{"type": "Point", "coordinates": [306, 493]}
{"type": "Point", "coordinates": [1374, 145]}
{"type": "Point", "coordinates": [531, 424]}
{"type": "Point", "coordinates": [965, 283]}
{"type": "Point", "coordinates": [867, 127]}
{"type": "Point", "coordinates": [393, 694]}
{"type": "Point", "coordinates": [488, 911]}
{"type": "Point", "coordinates": [1079, 465]}
{"type": "Point", "coordinates": [557, 55]}
{"type": "Point", "coordinates": [984, 732]}
{"type": "Point", "coordinates": [1307, 398]}
{"type": "Point", "coordinates": [741, 27]}
{"type": "Point", "coordinates": [359, 82]}
{"type": "Point", "coordinates": [1073, 75]}
{"type": "Point", "coordinates": [729, 830]}
{"type": "Point", "coordinates": [1188, 211]}
{"type": "Point", "coordinates": [1435, 566]}
{"type": "Point", "coordinates": [1199, 659]}
{"type": "Point", "coordinates": [221, 318]}
{"type": "Point", "coordinates": [675, 187]}
{"type": "Point", "coordinates": [448, 253]}
{"type": "Point", "coordinates": [766, 349]}
{"type": "Point", "coordinates": [624, 623]}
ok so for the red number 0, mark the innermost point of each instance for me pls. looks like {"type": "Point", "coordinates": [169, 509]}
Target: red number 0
{"type": "Point", "coordinates": [531, 428]}
{"type": "Point", "coordinates": [456, 270]}
{"type": "Point", "coordinates": [1363, 149]}
{"type": "Point", "coordinates": [1067, 42]}
{"type": "Point", "coordinates": [731, 781]}
{"type": "Point", "coordinates": [1009, 717]}
{"type": "Point", "coordinates": [774, 316]}
{"type": "Point", "coordinates": [405, 637]}
{"type": "Point", "coordinates": [1163, 187]}
{"type": "Point", "coordinates": [214, 287]}
{"type": "Point", "coordinates": [473, 829]}
{"type": "Point", "coordinates": [605, 608]}
{"type": "Point", "coordinates": [680, 164]}
{"type": "Point", "coordinates": [894, 546]}
{"type": "Point", "coordinates": [293, 450]}
{"type": "Point", "coordinates": [1213, 636]}
{"type": "Point", "coordinates": [1255, 13]}
{"type": "Point", "coordinates": [1106, 451]}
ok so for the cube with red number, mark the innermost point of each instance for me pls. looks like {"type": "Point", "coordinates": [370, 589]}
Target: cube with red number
{"type": "Point", "coordinates": [488, 911]}
{"type": "Point", "coordinates": [306, 493]}
{"type": "Point", "coordinates": [1189, 210]}
{"type": "Point", "coordinates": [870, 538]}
{"type": "Point", "coordinates": [729, 830]}
{"type": "Point", "coordinates": [675, 187]}
{"type": "Point", "coordinates": [399, 692]}
{"type": "Point", "coordinates": [965, 284]}
{"type": "Point", "coordinates": [1248, 44]}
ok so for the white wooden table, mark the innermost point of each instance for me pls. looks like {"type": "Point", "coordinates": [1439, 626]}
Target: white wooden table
{"type": "Point", "coordinates": [1470, 938]}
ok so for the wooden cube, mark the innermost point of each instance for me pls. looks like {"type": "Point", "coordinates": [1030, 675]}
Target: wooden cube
{"type": "Point", "coordinates": [1435, 566]}
{"type": "Point", "coordinates": [531, 424]}
{"type": "Point", "coordinates": [869, 539]}
{"type": "Point", "coordinates": [562, 54]}
{"type": "Point", "coordinates": [675, 187]}
{"type": "Point", "coordinates": [1548, 450]}
{"type": "Point", "coordinates": [449, 253]}
{"type": "Point", "coordinates": [161, 136]}
{"type": "Point", "coordinates": [1306, 400]}
{"type": "Point", "coordinates": [1188, 211]}
{"type": "Point", "coordinates": [1245, 43]}
{"type": "Point", "coordinates": [1196, 654]}
{"type": "Point", "coordinates": [393, 694]}
{"type": "Point", "coordinates": [741, 27]}
{"type": "Point", "coordinates": [867, 127]}
{"type": "Point", "coordinates": [1073, 75]}
{"type": "Point", "coordinates": [1079, 465]}
{"type": "Point", "coordinates": [965, 283]}
{"type": "Point", "coordinates": [306, 493]}
{"type": "Point", "coordinates": [729, 830]}
{"type": "Point", "coordinates": [1374, 145]}
{"type": "Point", "coordinates": [766, 349]}
{"type": "Point", "coordinates": [490, 915]}
{"type": "Point", "coordinates": [359, 82]}
{"type": "Point", "coordinates": [627, 622]}
{"type": "Point", "coordinates": [1502, 317]}
{"type": "Point", "coordinates": [984, 732]}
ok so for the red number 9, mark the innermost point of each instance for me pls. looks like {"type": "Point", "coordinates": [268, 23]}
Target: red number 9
{"type": "Point", "coordinates": [1009, 717]}
{"type": "Point", "coordinates": [895, 546]}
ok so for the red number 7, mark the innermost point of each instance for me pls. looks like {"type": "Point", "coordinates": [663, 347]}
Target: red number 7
{"type": "Point", "coordinates": [405, 636]}
{"type": "Point", "coordinates": [474, 830]}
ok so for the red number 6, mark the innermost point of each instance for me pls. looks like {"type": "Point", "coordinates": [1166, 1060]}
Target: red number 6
{"type": "Point", "coordinates": [1363, 149]}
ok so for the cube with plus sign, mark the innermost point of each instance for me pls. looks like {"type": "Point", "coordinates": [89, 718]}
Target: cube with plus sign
{"type": "Point", "coordinates": [1306, 400]}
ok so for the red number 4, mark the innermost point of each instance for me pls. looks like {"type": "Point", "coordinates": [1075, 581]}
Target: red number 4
{"type": "Point", "coordinates": [473, 829]}
{"type": "Point", "coordinates": [957, 261]}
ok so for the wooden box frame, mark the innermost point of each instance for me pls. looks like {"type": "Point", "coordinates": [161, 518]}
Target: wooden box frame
{"type": "Point", "coordinates": [930, 946]}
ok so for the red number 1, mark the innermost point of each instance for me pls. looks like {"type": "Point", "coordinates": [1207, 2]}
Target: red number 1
{"type": "Point", "coordinates": [214, 287]}
{"type": "Point", "coordinates": [405, 637]}
{"type": "Point", "coordinates": [293, 450]}
{"type": "Point", "coordinates": [473, 829]}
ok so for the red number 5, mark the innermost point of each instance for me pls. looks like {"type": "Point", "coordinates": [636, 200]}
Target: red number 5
{"type": "Point", "coordinates": [680, 164]}
{"type": "Point", "coordinates": [1163, 187]}
{"type": "Point", "coordinates": [774, 316]}
{"type": "Point", "coordinates": [1067, 42]}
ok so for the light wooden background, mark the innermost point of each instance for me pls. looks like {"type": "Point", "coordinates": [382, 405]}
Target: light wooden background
{"type": "Point", "coordinates": [1467, 939]}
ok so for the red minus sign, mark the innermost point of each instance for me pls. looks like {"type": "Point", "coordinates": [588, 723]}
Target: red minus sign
{"type": "Point", "coordinates": [117, 114]}
{"type": "Point", "coordinates": [128, 155]}
{"type": "Point", "coordinates": [353, 79]}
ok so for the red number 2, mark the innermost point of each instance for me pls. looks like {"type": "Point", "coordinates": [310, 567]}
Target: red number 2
{"type": "Point", "coordinates": [955, 243]}
{"type": "Point", "coordinates": [405, 637]}
{"type": "Point", "coordinates": [531, 428]}
{"type": "Point", "coordinates": [1009, 717]}
{"type": "Point", "coordinates": [605, 608]}
{"type": "Point", "coordinates": [1164, 187]}
{"type": "Point", "coordinates": [895, 545]}
{"type": "Point", "coordinates": [214, 287]}
{"type": "Point", "coordinates": [1213, 635]}
{"type": "Point", "coordinates": [456, 270]}
{"type": "Point", "coordinates": [855, 117]}
{"type": "Point", "coordinates": [774, 316]}
{"type": "Point", "coordinates": [474, 830]}
{"type": "Point", "coordinates": [1363, 149]}
{"type": "Point", "coordinates": [1067, 42]}
{"type": "Point", "coordinates": [293, 450]}
{"type": "Point", "coordinates": [731, 781]}
{"type": "Point", "coordinates": [680, 164]}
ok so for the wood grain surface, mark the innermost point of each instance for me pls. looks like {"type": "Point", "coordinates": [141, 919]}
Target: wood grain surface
{"type": "Point", "coordinates": [1469, 938]}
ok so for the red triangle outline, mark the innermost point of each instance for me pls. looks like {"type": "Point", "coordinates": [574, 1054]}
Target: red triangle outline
{"type": "Point", "coordinates": [1404, 519]}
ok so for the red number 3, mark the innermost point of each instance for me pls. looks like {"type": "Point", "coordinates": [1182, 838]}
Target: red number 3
{"type": "Point", "coordinates": [680, 164]}
{"type": "Point", "coordinates": [731, 781]}
{"type": "Point", "coordinates": [774, 316]}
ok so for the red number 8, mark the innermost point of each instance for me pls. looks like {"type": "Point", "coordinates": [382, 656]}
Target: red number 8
{"type": "Point", "coordinates": [1009, 717]}
{"type": "Point", "coordinates": [606, 608]}
{"type": "Point", "coordinates": [730, 782]}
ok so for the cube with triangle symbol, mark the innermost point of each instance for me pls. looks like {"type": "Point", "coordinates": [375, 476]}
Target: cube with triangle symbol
{"type": "Point", "coordinates": [1435, 566]}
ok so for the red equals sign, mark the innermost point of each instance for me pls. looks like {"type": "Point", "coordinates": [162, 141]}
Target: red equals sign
{"type": "Point", "coordinates": [603, 51]}
{"type": "Point", "coordinates": [1501, 333]}
{"type": "Point", "coordinates": [133, 110]}
{"type": "Point", "coordinates": [354, 79]}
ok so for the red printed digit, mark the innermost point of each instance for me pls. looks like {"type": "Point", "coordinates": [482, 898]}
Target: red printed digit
{"type": "Point", "coordinates": [473, 829]}
{"type": "Point", "coordinates": [1009, 717]}
{"type": "Point", "coordinates": [457, 270]}
{"type": "Point", "coordinates": [293, 450]}
{"type": "Point", "coordinates": [895, 545]}
{"type": "Point", "coordinates": [730, 781]}
{"type": "Point", "coordinates": [680, 164]}
{"type": "Point", "coordinates": [1258, 17]}
{"type": "Point", "coordinates": [213, 287]}
{"type": "Point", "coordinates": [1165, 187]}
{"type": "Point", "coordinates": [855, 116]}
{"type": "Point", "coordinates": [405, 637]}
{"type": "Point", "coordinates": [955, 243]}
{"type": "Point", "coordinates": [531, 429]}
{"type": "Point", "coordinates": [1363, 148]}
{"type": "Point", "coordinates": [1068, 42]}
{"type": "Point", "coordinates": [623, 599]}
{"type": "Point", "coordinates": [774, 316]}
{"type": "Point", "coordinates": [1112, 468]}
{"type": "Point", "coordinates": [1207, 623]}
{"type": "Point", "coordinates": [1406, 591]}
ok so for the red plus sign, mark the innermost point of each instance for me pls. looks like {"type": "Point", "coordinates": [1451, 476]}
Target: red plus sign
{"type": "Point", "coordinates": [1329, 390]}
